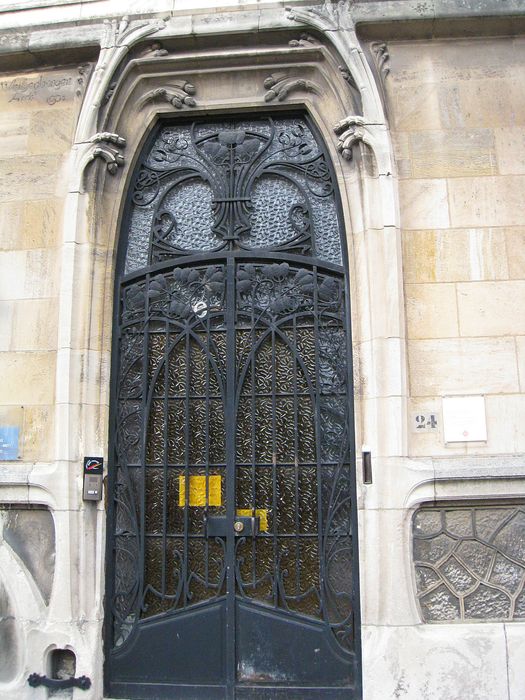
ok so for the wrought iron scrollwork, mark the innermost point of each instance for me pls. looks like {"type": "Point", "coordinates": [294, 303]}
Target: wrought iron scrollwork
{"type": "Point", "coordinates": [298, 353]}
{"type": "Point", "coordinates": [260, 185]}
{"type": "Point", "coordinates": [233, 313]}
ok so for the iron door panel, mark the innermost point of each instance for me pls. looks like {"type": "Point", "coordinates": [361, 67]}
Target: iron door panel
{"type": "Point", "coordinates": [283, 650]}
{"type": "Point", "coordinates": [233, 547]}
{"type": "Point", "coordinates": [184, 649]}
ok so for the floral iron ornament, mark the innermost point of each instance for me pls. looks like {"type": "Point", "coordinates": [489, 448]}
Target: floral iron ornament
{"type": "Point", "coordinates": [230, 180]}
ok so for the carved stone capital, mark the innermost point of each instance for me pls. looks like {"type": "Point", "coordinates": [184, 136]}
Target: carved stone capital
{"type": "Point", "coordinates": [381, 57]}
{"type": "Point", "coordinates": [179, 94]}
{"type": "Point", "coordinates": [331, 14]}
{"type": "Point", "coordinates": [279, 86]}
{"type": "Point", "coordinates": [350, 130]}
{"type": "Point", "coordinates": [305, 40]}
{"type": "Point", "coordinates": [355, 129]}
{"type": "Point", "coordinates": [108, 148]}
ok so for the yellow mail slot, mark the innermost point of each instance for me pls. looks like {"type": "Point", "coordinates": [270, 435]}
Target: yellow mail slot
{"type": "Point", "coordinates": [197, 494]}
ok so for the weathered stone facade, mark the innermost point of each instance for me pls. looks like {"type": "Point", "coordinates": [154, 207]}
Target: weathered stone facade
{"type": "Point", "coordinates": [425, 125]}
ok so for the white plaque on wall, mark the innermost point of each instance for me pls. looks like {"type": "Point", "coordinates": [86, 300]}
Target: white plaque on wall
{"type": "Point", "coordinates": [464, 419]}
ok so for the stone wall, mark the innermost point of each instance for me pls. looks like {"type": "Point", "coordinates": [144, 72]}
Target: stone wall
{"type": "Point", "coordinates": [38, 112]}
{"type": "Point", "coordinates": [455, 111]}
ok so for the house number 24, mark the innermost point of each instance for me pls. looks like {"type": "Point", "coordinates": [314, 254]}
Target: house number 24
{"type": "Point", "coordinates": [425, 422]}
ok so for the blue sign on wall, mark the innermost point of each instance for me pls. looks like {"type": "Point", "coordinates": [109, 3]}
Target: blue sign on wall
{"type": "Point", "coordinates": [9, 442]}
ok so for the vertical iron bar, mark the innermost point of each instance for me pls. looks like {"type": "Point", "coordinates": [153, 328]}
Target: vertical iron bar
{"type": "Point", "coordinates": [253, 423]}
{"type": "Point", "coordinates": [165, 452]}
{"type": "Point", "coordinates": [274, 475]}
{"type": "Point", "coordinates": [318, 436]}
{"type": "Point", "coordinates": [186, 465]}
{"type": "Point", "coordinates": [298, 503]}
{"type": "Point", "coordinates": [207, 438]}
{"type": "Point", "coordinates": [143, 447]}
{"type": "Point", "coordinates": [230, 478]}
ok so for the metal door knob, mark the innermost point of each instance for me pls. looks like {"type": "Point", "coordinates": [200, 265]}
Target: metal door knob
{"type": "Point", "coordinates": [238, 526]}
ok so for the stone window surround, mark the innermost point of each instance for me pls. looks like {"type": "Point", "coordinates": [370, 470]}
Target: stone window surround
{"type": "Point", "coordinates": [465, 576]}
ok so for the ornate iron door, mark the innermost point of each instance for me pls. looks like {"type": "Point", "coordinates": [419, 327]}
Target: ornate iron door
{"type": "Point", "coordinates": [232, 545]}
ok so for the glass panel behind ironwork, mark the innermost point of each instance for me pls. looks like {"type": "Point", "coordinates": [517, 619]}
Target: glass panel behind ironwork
{"type": "Point", "coordinates": [470, 562]}
{"type": "Point", "coordinates": [250, 332]}
{"type": "Point", "coordinates": [292, 450]}
{"type": "Point", "coordinates": [262, 184]}
{"type": "Point", "coordinates": [172, 374]}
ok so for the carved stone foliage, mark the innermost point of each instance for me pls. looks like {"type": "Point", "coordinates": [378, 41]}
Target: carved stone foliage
{"type": "Point", "coordinates": [279, 86]}
{"type": "Point", "coordinates": [366, 121]}
{"type": "Point", "coordinates": [350, 130]}
{"type": "Point", "coordinates": [178, 95]}
{"type": "Point", "coordinates": [470, 562]}
{"type": "Point", "coordinates": [118, 38]}
{"type": "Point", "coordinates": [108, 148]}
{"type": "Point", "coordinates": [334, 15]}
{"type": "Point", "coordinates": [381, 57]}
{"type": "Point", "coordinates": [305, 40]}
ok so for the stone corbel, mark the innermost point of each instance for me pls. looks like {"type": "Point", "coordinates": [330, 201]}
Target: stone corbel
{"type": "Point", "coordinates": [355, 129]}
{"type": "Point", "coordinates": [179, 95]}
{"type": "Point", "coordinates": [350, 131]}
{"type": "Point", "coordinates": [279, 87]}
{"type": "Point", "coordinates": [106, 146]}
{"type": "Point", "coordinates": [304, 40]}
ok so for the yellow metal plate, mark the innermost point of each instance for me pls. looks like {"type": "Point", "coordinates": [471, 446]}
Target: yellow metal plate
{"type": "Point", "coordinates": [197, 495]}
{"type": "Point", "coordinates": [261, 513]}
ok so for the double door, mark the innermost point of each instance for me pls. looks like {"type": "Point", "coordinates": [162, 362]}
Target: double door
{"type": "Point", "coordinates": [232, 554]}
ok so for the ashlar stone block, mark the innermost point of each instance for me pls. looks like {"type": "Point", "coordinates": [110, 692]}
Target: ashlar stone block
{"type": "Point", "coordinates": [493, 100]}
{"type": "Point", "coordinates": [28, 378]}
{"type": "Point", "coordinates": [510, 150]}
{"type": "Point", "coordinates": [491, 308]}
{"type": "Point", "coordinates": [505, 418]}
{"type": "Point", "coordinates": [38, 433]}
{"type": "Point", "coordinates": [51, 131]}
{"type": "Point", "coordinates": [14, 128]}
{"type": "Point", "coordinates": [28, 177]}
{"type": "Point", "coordinates": [417, 107]}
{"type": "Point", "coordinates": [452, 153]}
{"type": "Point", "coordinates": [456, 255]}
{"type": "Point", "coordinates": [34, 325]}
{"type": "Point", "coordinates": [515, 241]}
{"type": "Point", "coordinates": [423, 204]}
{"type": "Point", "coordinates": [487, 201]}
{"type": "Point", "coordinates": [520, 346]}
{"type": "Point", "coordinates": [462, 366]}
{"type": "Point", "coordinates": [28, 274]}
{"type": "Point", "coordinates": [431, 310]}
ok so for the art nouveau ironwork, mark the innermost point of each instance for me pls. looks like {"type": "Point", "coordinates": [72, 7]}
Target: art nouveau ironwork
{"type": "Point", "coordinates": [233, 480]}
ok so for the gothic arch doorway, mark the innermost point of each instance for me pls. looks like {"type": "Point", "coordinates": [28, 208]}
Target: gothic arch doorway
{"type": "Point", "coordinates": [232, 545]}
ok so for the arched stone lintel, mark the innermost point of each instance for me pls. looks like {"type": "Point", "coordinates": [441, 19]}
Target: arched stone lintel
{"type": "Point", "coordinates": [369, 199]}
{"type": "Point", "coordinates": [90, 229]}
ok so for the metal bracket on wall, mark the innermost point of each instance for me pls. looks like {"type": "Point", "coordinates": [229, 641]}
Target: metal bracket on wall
{"type": "Point", "coordinates": [82, 682]}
